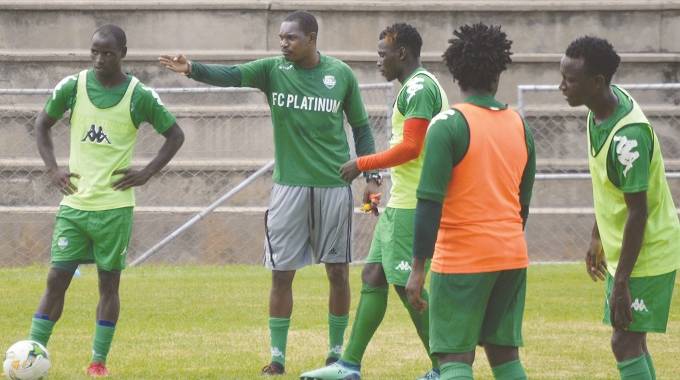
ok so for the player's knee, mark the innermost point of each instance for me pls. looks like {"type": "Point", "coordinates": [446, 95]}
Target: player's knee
{"type": "Point", "coordinates": [338, 274]}
{"type": "Point", "coordinates": [625, 345]}
{"type": "Point", "coordinates": [373, 275]}
{"type": "Point", "coordinates": [109, 284]}
{"type": "Point", "coordinates": [57, 282]}
{"type": "Point", "coordinates": [282, 280]}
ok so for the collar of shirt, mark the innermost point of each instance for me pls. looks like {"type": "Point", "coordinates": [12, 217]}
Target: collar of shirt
{"type": "Point", "coordinates": [486, 101]}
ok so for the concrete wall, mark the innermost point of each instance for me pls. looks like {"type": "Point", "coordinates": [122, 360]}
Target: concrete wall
{"type": "Point", "coordinates": [41, 42]}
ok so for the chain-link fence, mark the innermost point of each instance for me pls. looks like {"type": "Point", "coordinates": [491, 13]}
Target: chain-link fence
{"type": "Point", "coordinates": [562, 216]}
{"type": "Point", "coordinates": [228, 138]}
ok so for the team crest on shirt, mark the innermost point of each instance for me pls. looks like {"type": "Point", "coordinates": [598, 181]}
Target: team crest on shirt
{"type": "Point", "coordinates": [329, 81]}
{"type": "Point", "coordinates": [96, 135]}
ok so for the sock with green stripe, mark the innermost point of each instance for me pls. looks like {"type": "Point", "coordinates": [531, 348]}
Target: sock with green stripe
{"type": "Point", "coordinates": [650, 365]}
{"type": "Point", "coordinates": [421, 320]}
{"type": "Point", "coordinates": [511, 370]}
{"type": "Point", "coordinates": [41, 329]}
{"type": "Point", "coordinates": [371, 310]}
{"type": "Point", "coordinates": [278, 332]}
{"type": "Point", "coordinates": [634, 369]}
{"type": "Point", "coordinates": [103, 336]}
{"type": "Point", "coordinates": [337, 324]}
{"type": "Point", "coordinates": [455, 371]}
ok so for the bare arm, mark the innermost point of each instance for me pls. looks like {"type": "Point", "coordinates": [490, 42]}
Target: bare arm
{"type": "Point", "coordinates": [174, 138]}
{"type": "Point", "coordinates": [633, 235]}
{"type": "Point", "coordinates": [596, 265]}
{"type": "Point", "coordinates": [59, 178]}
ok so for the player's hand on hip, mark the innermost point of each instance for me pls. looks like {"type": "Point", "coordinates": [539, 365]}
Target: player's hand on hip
{"type": "Point", "coordinates": [178, 63]}
{"type": "Point", "coordinates": [62, 180]}
{"type": "Point", "coordinates": [130, 178]}
{"type": "Point", "coordinates": [621, 314]}
{"type": "Point", "coordinates": [596, 265]}
{"type": "Point", "coordinates": [414, 289]}
{"type": "Point", "coordinates": [349, 171]}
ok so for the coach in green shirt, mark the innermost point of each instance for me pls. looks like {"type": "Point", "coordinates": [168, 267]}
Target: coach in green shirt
{"type": "Point", "coordinates": [636, 238]}
{"type": "Point", "coordinates": [309, 217]}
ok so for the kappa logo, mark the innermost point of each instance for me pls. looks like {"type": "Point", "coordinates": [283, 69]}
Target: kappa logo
{"type": "Point", "coordinates": [639, 305]}
{"type": "Point", "coordinates": [62, 242]}
{"type": "Point", "coordinates": [337, 349]}
{"type": "Point", "coordinates": [277, 353]}
{"type": "Point", "coordinates": [624, 152]}
{"type": "Point", "coordinates": [332, 251]}
{"type": "Point", "coordinates": [413, 86]}
{"type": "Point", "coordinates": [329, 81]}
{"type": "Point", "coordinates": [403, 266]}
{"type": "Point", "coordinates": [286, 67]}
{"type": "Point", "coordinates": [96, 135]}
{"type": "Point", "coordinates": [442, 116]}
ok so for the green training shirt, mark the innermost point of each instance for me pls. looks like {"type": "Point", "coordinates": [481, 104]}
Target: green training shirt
{"type": "Point", "coordinates": [629, 173]}
{"type": "Point", "coordinates": [307, 107]}
{"type": "Point", "coordinates": [448, 138]}
{"type": "Point", "coordinates": [146, 105]}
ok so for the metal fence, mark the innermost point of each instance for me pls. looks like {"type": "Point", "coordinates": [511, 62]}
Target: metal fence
{"type": "Point", "coordinates": [228, 139]}
{"type": "Point", "coordinates": [562, 215]}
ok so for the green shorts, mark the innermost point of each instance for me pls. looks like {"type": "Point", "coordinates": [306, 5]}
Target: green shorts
{"type": "Point", "coordinates": [392, 244]}
{"type": "Point", "coordinates": [99, 237]}
{"type": "Point", "coordinates": [477, 308]}
{"type": "Point", "coordinates": [651, 301]}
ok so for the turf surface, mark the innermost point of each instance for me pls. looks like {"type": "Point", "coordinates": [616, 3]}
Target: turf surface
{"type": "Point", "coordinates": [195, 322]}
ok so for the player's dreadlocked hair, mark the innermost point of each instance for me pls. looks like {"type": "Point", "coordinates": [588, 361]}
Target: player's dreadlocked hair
{"type": "Point", "coordinates": [306, 20]}
{"type": "Point", "coordinates": [599, 56]}
{"type": "Point", "coordinates": [477, 55]}
{"type": "Point", "coordinates": [114, 31]}
{"type": "Point", "coordinates": [401, 34]}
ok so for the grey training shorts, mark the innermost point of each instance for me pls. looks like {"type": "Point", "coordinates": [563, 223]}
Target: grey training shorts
{"type": "Point", "coordinates": [306, 225]}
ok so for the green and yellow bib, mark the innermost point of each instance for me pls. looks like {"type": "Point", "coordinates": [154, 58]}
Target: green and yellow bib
{"type": "Point", "coordinates": [660, 251]}
{"type": "Point", "coordinates": [405, 177]}
{"type": "Point", "coordinates": [102, 141]}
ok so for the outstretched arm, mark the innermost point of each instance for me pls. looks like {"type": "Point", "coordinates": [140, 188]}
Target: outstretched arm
{"type": "Point", "coordinates": [216, 75]}
{"type": "Point", "coordinates": [174, 138]}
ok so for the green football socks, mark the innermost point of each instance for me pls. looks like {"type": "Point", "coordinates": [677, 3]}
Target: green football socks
{"type": "Point", "coordinates": [455, 371]}
{"type": "Point", "coordinates": [41, 329]}
{"type": "Point", "coordinates": [103, 335]}
{"type": "Point", "coordinates": [421, 320]}
{"type": "Point", "coordinates": [337, 324]}
{"type": "Point", "coordinates": [278, 331]}
{"type": "Point", "coordinates": [511, 370]}
{"type": "Point", "coordinates": [634, 369]}
{"type": "Point", "coordinates": [371, 310]}
{"type": "Point", "coordinates": [650, 365]}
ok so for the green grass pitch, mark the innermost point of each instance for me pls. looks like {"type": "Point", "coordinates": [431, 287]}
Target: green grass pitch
{"type": "Point", "coordinates": [194, 322]}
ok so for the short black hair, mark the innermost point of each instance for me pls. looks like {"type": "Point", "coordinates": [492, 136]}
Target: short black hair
{"type": "Point", "coordinates": [405, 35]}
{"type": "Point", "coordinates": [599, 56]}
{"type": "Point", "coordinates": [114, 31]}
{"type": "Point", "coordinates": [305, 20]}
{"type": "Point", "coordinates": [477, 55]}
